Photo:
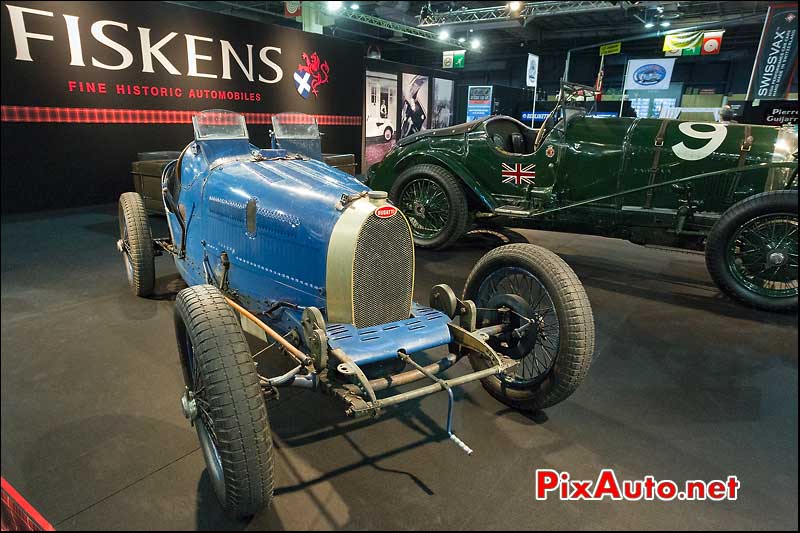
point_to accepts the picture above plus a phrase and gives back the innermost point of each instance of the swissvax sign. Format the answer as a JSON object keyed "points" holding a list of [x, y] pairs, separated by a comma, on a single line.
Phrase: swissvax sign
{"points": [[142, 68], [776, 60]]}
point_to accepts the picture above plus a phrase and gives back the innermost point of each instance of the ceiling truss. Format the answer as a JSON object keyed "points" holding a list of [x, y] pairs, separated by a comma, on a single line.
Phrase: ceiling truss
{"points": [[385, 24], [527, 11]]}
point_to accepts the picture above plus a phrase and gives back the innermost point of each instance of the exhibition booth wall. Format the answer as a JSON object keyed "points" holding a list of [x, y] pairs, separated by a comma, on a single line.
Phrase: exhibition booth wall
{"points": [[400, 100], [88, 86]]}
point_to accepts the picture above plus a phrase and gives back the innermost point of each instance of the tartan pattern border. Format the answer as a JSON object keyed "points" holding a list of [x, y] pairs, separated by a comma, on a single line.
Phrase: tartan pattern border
{"points": [[94, 115]]}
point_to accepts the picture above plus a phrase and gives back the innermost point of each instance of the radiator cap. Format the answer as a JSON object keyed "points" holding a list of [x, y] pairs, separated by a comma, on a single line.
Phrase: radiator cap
{"points": [[377, 197]]}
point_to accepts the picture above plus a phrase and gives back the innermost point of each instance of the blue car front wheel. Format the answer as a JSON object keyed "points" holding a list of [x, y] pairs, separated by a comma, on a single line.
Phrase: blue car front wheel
{"points": [[551, 333], [224, 400]]}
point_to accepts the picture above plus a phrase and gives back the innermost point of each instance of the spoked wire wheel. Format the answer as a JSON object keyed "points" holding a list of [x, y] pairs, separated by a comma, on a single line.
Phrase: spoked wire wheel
{"points": [[197, 397], [751, 251], [224, 400], [426, 206], [762, 255], [529, 306], [548, 324], [434, 202]]}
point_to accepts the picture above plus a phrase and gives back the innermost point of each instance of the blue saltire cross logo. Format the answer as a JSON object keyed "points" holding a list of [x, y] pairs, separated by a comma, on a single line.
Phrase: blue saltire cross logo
{"points": [[302, 82]]}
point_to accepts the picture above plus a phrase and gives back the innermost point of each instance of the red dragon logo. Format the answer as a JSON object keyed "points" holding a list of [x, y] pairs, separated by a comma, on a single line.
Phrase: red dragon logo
{"points": [[308, 77]]}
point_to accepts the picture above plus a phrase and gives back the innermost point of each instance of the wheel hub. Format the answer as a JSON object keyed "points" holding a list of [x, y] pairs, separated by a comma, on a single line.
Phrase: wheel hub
{"points": [[776, 258], [522, 321], [419, 209], [189, 405]]}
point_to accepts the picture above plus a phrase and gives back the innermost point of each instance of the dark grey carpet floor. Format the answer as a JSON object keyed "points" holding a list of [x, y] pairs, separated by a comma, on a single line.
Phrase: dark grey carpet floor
{"points": [[686, 385]]}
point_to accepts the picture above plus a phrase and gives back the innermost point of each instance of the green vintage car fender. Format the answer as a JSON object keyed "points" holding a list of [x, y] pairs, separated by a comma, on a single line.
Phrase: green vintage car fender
{"points": [[447, 151]]}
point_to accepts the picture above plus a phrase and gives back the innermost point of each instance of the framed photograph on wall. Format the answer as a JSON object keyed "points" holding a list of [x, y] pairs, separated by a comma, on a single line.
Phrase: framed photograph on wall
{"points": [[442, 109], [380, 112], [414, 109]]}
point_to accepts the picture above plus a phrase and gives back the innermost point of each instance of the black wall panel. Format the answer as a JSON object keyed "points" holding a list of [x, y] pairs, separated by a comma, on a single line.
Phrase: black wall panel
{"points": [[50, 163]]}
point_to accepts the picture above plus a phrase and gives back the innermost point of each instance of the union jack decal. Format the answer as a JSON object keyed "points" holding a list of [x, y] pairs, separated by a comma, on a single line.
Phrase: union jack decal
{"points": [[518, 174]]}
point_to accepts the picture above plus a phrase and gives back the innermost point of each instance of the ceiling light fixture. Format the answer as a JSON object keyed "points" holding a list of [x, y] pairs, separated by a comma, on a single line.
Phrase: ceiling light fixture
{"points": [[355, 7], [514, 6], [649, 25], [333, 7], [444, 35], [665, 24], [475, 44], [462, 39]]}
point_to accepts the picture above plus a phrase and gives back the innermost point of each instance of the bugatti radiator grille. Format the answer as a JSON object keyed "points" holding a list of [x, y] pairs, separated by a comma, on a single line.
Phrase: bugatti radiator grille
{"points": [[383, 271]]}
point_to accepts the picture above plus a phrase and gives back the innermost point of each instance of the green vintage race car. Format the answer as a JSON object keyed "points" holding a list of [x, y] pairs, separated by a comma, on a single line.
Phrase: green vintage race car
{"points": [[729, 189]]}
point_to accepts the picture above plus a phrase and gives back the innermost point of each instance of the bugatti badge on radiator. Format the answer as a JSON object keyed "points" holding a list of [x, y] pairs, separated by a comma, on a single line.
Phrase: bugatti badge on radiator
{"points": [[385, 211]]}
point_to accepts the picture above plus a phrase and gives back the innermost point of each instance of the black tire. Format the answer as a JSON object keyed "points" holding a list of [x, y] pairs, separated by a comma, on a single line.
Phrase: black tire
{"points": [[387, 134], [576, 335], [457, 208], [210, 336], [139, 256], [723, 235], [490, 236]]}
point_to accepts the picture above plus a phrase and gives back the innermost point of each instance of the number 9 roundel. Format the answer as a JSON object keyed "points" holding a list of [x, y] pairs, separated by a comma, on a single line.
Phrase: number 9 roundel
{"points": [[715, 139]]}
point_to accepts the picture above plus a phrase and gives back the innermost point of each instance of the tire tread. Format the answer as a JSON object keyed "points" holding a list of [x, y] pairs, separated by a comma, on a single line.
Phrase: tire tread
{"points": [[133, 215], [240, 416]]}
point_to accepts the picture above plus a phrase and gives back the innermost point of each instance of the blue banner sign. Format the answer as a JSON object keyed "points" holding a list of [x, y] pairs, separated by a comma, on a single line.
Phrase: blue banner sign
{"points": [[525, 116]]}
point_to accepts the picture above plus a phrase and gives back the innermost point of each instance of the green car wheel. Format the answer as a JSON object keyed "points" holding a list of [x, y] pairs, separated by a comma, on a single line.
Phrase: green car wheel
{"points": [[752, 251], [435, 204]]}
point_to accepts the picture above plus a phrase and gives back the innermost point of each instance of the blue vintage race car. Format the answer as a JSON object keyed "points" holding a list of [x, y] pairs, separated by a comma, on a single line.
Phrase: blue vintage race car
{"points": [[306, 257]]}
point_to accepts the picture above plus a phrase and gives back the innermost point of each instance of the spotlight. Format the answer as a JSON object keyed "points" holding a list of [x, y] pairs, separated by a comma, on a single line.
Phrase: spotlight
{"points": [[333, 7], [649, 25], [355, 7], [444, 35], [462, 39], [475, 44], [514, 6], [665, 24]]}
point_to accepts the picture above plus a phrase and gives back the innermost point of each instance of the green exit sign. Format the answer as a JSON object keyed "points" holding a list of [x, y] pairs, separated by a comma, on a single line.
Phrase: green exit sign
{"points": [[453, 58]]}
